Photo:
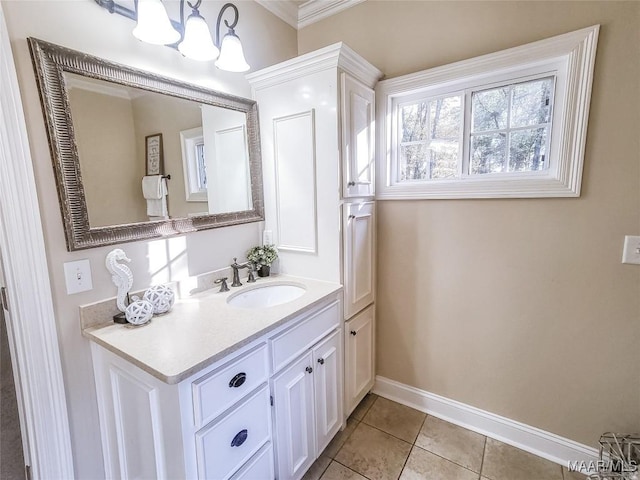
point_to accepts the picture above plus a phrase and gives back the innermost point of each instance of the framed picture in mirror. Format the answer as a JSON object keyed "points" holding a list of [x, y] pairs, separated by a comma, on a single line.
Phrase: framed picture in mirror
{"points": [[154, 154]]}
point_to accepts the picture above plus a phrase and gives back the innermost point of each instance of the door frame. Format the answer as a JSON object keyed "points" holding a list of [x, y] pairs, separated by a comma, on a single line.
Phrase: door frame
{"points": [[35, 352]]}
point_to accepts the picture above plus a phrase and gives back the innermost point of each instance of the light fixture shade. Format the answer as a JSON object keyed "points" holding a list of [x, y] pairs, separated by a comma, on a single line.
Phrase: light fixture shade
{"points": [[154, 25], [231, 56], [197, 43]]}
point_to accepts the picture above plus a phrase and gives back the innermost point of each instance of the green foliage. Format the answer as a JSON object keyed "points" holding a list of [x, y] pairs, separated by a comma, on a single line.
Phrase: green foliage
{"points": [[263, 254]]}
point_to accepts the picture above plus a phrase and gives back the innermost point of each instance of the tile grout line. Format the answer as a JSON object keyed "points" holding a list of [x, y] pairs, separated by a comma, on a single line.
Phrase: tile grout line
{"points": [[325, 468], [332, 458], [351, 469], [356, 423], [413, 445], [453, 461], [387, 433], [484, 450], [447, 460], [367, 410]]}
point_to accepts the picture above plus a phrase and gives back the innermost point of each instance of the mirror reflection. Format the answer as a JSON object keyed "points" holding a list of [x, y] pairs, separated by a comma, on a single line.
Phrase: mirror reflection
{"points": [[192, 159]]}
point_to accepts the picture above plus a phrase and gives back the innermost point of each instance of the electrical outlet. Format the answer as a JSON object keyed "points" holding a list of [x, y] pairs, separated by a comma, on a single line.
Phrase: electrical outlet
{"points": [[631, 251], [267, 237], [77, 276]]}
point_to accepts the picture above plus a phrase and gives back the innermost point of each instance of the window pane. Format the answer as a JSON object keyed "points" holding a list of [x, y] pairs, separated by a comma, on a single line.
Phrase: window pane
{"points": [[413, 122], [531, 103], [445, 118], [419, 162], [202, 167], [414, 162], [489, 109], [488, 153], [527, 150], [444, 158]]}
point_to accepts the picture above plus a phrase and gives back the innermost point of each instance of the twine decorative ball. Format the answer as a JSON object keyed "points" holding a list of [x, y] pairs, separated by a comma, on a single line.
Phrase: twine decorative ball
{"points": [[139, 312], [161, 297]]}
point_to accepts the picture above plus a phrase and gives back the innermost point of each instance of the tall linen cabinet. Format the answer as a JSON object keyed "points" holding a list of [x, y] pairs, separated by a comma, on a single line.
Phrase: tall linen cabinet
{"points": [[317, 131]]}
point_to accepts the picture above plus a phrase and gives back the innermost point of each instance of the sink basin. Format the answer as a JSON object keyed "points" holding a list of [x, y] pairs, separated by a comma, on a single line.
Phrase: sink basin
{"points": [[266, 296]]}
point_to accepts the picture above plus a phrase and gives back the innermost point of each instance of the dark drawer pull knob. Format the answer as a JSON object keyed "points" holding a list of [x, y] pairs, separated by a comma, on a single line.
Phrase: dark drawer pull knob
{"points": [[238, 380], [309, 369], [351, 184], [240, 438], [321, 361], [354, 333]]}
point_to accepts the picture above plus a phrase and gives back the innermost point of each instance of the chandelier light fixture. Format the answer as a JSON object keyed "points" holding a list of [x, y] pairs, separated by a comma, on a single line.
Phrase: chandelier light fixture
{"points": [[192, 37]]}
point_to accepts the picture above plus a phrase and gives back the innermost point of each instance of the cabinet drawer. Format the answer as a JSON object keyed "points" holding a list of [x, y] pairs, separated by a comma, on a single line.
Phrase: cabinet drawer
{"points": [[260, 466], [291, 343], [224, 446], [220, 389]]}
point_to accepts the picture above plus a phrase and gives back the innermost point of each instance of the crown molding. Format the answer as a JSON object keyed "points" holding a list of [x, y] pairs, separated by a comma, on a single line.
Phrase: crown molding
{"points": [[300, 15], [337, 55], [313, 11], [287, 10]]}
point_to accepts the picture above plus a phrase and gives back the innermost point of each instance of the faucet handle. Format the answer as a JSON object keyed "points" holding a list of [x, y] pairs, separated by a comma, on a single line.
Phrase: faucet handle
{"points": [[252, 268], [223, 284]]}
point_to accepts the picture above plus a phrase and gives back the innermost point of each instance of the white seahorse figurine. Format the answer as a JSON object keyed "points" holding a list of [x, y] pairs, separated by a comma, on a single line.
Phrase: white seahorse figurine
{"points": [[120, 274]]}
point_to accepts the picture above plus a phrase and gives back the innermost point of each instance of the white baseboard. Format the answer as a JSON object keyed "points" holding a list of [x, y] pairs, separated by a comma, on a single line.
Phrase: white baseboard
{"points": [[531, 439]]}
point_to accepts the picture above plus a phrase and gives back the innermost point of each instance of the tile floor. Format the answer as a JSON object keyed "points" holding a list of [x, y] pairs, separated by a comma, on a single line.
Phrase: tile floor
{"points": [[384, 440]]}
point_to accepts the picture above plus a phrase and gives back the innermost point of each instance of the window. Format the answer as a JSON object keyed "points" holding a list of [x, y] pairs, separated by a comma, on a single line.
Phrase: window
{"points": [[510, 127], [194, 165], [509, 124], [430, 134]]}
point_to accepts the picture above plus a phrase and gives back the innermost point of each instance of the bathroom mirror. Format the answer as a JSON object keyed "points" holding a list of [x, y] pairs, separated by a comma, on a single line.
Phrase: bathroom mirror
{"points": [[110, 126]]}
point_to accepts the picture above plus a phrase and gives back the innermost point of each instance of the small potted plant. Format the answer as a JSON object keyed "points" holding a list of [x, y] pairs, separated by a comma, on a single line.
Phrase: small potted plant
{"points": [[263, 256]]}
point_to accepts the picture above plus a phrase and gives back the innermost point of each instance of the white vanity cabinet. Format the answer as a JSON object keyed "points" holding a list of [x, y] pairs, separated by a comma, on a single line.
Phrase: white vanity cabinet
{"points": [[317, 134], [219, 422], [307, 393], [210, 425]]}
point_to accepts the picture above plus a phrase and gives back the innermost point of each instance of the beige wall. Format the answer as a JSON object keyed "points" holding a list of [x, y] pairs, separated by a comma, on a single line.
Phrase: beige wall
{"points": [[518, 307], [82, 25], [103, 126]]}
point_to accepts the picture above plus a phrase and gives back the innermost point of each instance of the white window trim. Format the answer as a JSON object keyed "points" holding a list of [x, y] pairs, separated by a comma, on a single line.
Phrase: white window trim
{"points": [[570, 57]]}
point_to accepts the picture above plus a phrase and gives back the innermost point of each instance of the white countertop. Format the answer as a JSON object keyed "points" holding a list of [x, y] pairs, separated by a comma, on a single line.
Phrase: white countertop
{"points": [[203, 328]]}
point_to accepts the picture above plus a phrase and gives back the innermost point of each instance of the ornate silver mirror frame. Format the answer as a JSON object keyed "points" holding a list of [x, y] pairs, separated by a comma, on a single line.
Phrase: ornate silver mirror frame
{"points": [[50, 62]]}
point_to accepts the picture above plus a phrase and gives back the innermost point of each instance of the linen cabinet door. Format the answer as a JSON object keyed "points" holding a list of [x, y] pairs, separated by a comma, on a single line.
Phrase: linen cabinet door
{"points": [[358, 103], [359, 362], [327, 378], [359, 256], [294, 419]]}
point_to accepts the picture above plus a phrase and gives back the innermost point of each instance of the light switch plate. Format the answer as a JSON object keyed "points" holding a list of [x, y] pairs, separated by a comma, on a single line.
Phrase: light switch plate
{"points": [[77, 276], [267, 237], [631, 251]]}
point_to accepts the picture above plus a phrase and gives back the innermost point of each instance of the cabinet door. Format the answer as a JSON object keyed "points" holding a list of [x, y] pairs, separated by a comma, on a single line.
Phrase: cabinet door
{"points": [[358, 135], [359, 363], [327, 380], [359, 256], [294, 419]]}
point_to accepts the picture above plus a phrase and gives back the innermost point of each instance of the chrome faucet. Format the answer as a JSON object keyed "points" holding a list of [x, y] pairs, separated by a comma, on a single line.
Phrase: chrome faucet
{"points": [[235, 266]]}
